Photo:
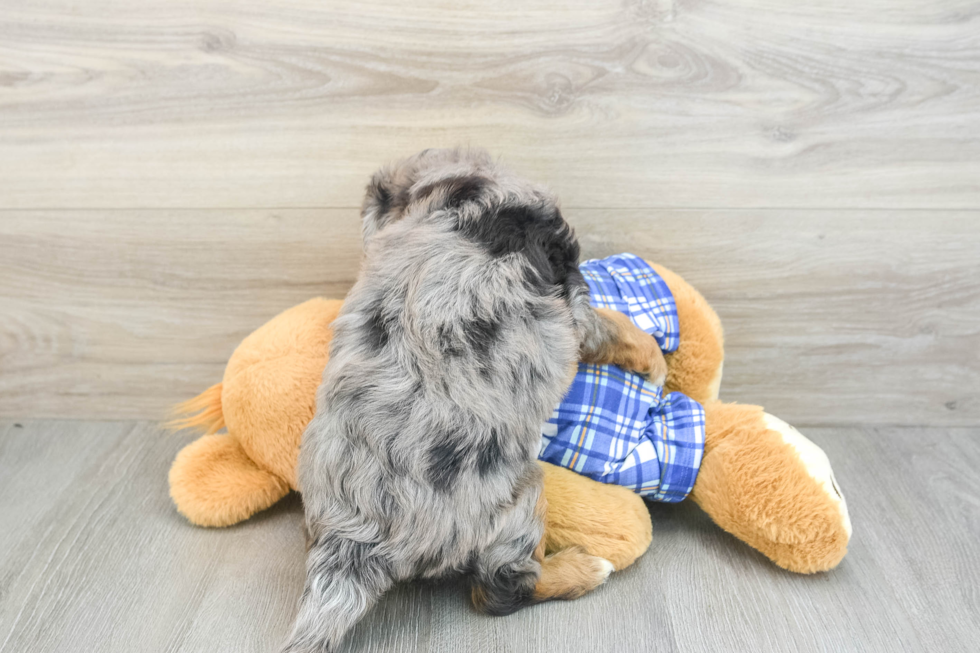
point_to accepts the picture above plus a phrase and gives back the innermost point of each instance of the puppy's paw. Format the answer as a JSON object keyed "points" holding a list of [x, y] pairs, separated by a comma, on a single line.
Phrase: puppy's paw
{"points": [[654, 364], [629, 347]]}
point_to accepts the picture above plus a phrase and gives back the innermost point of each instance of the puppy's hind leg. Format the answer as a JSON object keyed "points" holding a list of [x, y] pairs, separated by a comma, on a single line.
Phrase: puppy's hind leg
{"points": [[514, 572], [343, 580]]}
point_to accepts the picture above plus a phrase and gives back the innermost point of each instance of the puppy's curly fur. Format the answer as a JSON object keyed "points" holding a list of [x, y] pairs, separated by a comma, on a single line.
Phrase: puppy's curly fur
{"points": [[458, 339]]}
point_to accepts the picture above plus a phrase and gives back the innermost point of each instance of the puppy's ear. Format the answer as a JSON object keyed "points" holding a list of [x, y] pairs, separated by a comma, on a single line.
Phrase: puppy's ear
{"points": [[389, 193], [384, 200], [457, 173]]}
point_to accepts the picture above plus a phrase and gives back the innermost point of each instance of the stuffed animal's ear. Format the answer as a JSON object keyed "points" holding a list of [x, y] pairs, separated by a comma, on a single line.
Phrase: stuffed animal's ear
{"points": [[214, 483]]}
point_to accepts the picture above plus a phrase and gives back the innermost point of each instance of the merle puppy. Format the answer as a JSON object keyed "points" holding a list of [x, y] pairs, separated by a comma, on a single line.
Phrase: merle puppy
{"points": [[460, 336]]}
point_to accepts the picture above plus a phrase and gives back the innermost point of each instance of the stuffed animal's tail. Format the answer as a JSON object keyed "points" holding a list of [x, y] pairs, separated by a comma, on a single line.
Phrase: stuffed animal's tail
{"points": [[202, 413], [214, 481]]}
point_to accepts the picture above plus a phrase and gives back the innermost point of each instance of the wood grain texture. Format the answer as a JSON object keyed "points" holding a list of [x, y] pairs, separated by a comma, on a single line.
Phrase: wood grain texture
{"points": [[666, 103], [93, 557], [811, 167], [831, 318]]}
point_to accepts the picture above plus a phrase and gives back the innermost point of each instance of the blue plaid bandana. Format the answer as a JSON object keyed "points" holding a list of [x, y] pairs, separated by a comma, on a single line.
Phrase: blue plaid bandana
{"points": [[614, 426]]}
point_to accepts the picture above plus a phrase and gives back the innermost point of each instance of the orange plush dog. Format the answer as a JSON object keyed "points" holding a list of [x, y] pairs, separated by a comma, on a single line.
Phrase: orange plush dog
{"points": [[760, 479]]}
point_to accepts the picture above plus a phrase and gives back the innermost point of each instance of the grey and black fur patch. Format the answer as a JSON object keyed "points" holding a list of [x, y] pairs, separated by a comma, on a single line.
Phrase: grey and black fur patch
{"points": [[452, 349], [447, 457]]}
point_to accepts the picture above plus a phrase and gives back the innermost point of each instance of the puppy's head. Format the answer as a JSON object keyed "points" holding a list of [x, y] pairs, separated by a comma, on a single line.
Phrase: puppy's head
{"points": [[501, 213], [417, 179]]}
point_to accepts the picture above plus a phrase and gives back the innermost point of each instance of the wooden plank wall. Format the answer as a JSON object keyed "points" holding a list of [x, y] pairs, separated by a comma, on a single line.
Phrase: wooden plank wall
{"points": [[175, 172]]}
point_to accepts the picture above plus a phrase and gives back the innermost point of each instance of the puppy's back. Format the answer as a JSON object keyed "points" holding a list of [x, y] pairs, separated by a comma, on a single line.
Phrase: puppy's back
{"points": [[453, 347], [444, 364]]}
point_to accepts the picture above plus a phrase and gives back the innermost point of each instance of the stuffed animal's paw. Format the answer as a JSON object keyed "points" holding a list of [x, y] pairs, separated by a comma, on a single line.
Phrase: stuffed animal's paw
{"points": [[771, 487], [571, 573]]}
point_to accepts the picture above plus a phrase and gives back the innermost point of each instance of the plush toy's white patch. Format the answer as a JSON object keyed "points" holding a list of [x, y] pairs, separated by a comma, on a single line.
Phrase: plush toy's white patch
{"points": [[607, 567], [815, 461]]}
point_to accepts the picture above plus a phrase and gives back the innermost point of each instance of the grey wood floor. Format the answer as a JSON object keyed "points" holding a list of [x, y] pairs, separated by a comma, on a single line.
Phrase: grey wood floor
{"points": [[93, 557], [173, 173]]}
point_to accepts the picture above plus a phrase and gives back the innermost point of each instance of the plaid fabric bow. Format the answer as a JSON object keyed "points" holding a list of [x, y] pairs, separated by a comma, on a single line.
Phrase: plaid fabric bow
{"points": [[615, 427]]}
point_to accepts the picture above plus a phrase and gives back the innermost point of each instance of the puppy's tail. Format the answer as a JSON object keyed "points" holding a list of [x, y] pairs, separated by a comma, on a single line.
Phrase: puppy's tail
{"points": [[340, 588]]}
